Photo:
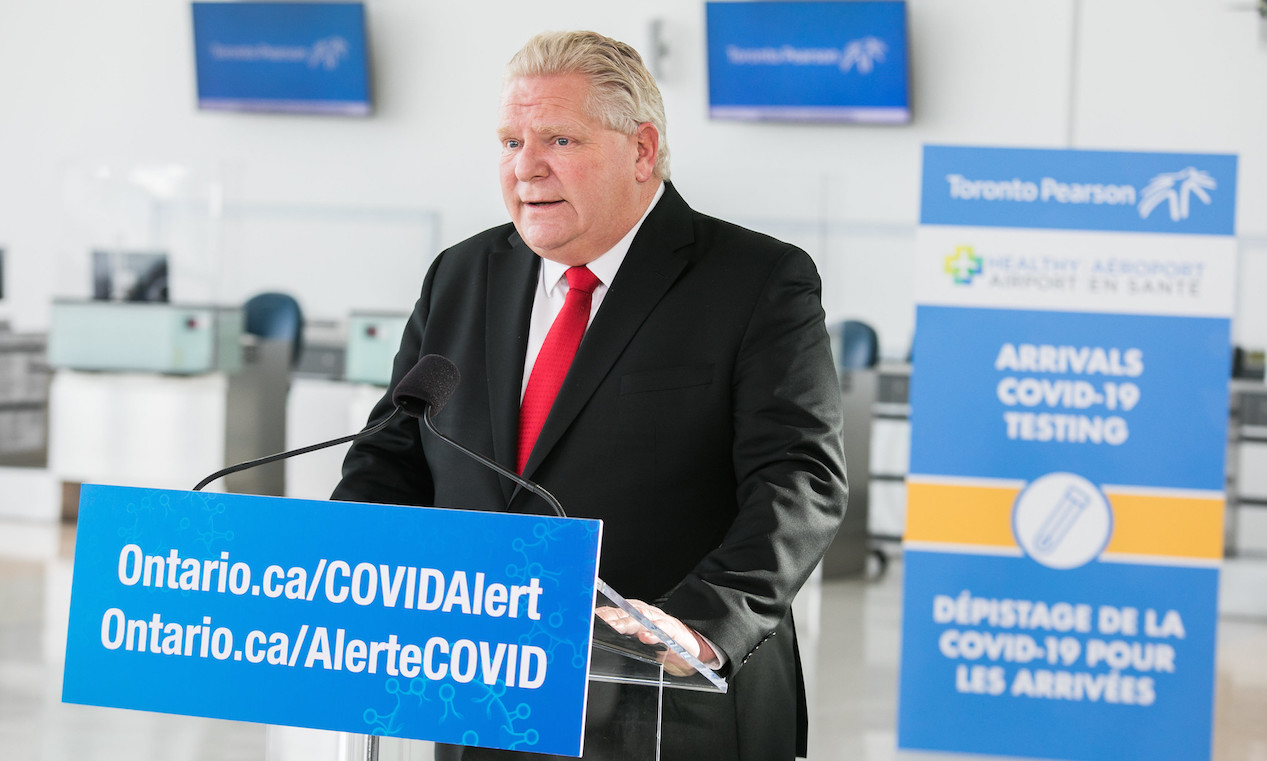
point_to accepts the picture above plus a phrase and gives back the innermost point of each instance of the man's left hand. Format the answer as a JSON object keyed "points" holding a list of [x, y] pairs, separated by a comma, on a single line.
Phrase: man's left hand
{"points": [[685, 636]]}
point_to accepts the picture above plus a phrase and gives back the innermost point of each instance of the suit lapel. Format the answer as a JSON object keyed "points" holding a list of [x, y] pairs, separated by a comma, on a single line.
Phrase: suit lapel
{"points": [[653, 263], [512, 278]]}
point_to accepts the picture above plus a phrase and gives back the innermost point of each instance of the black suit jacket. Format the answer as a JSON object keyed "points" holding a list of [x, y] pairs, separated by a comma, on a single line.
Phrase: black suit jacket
{"points": [[700, 421]]}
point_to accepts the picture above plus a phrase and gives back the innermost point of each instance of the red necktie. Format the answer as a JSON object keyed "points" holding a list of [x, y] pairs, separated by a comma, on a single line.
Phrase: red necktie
{"points": [[555, 358]]}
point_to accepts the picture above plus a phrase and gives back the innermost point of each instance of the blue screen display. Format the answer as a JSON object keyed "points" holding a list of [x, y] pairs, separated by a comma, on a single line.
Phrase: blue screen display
{"points": [[282, 57], [808, 61]]}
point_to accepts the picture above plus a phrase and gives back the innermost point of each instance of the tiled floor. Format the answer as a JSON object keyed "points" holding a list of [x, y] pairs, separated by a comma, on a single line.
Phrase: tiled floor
{"points": [[853, 677]]}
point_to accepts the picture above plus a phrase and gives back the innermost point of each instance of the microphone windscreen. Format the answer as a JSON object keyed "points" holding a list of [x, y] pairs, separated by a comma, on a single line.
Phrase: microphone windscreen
{"points": [[430, 382]]}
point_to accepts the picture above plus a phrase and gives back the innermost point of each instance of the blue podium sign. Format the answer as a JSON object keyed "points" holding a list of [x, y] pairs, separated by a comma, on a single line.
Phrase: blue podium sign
{"points": [[455, 626]]}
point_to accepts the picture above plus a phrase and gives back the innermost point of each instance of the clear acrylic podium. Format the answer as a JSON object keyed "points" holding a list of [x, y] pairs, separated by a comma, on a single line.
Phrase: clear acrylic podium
{"points": [[622, 659], [628, 680]]}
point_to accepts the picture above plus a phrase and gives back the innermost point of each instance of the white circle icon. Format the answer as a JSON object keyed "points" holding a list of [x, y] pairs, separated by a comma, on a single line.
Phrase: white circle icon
{"points": [[1062, 520]]}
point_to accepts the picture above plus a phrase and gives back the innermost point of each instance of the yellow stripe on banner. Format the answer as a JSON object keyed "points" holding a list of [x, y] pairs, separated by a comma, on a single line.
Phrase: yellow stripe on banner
{"points": [[1185, 527], [960, 514], [1149, 525]]}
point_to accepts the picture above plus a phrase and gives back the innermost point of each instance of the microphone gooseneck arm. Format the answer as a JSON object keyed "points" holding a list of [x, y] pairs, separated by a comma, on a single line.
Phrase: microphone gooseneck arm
{"points": [[283, 455], [525, 483]]}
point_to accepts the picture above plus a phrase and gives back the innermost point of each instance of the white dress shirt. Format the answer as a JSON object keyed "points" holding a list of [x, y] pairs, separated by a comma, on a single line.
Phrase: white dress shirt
{"points": [[552, 290]]}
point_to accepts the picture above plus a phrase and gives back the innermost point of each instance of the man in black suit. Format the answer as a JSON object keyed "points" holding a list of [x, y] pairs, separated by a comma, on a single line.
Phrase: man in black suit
{"points": [[699, 419]]}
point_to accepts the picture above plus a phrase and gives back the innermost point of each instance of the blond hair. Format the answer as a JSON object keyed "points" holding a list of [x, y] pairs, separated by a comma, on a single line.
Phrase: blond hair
{"points": [[623, 94]]}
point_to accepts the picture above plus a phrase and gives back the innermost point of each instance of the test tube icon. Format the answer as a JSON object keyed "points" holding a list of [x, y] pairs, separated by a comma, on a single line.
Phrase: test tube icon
{"points": [[1060, 520]]}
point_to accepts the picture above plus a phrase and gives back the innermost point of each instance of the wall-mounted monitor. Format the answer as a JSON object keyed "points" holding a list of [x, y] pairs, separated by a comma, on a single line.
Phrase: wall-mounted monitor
{"points": [[809, 61], [300, 57]]}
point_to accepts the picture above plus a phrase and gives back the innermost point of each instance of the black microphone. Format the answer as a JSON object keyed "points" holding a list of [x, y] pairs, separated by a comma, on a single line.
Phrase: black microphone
{"points": [[420, 385], [425, 389], [428, 384]]}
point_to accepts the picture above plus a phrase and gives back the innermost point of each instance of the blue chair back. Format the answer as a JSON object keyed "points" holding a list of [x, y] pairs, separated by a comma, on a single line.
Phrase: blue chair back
{"points": [[276, 316], [859, 346]]}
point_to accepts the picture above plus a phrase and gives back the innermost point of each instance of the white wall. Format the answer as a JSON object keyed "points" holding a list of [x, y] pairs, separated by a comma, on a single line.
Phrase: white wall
{"points": [[90, 81]]}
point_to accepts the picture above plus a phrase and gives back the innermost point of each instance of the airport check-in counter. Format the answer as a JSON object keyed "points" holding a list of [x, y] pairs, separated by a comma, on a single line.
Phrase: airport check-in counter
{"points": [[161, 395], [337, 384], [29, 492], [373, 339], [1246, 524], [23, 399], [877, 450], [889, 455]]}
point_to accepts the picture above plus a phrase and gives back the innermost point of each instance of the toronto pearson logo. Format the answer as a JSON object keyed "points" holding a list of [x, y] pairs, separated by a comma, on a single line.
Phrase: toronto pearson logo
{"points": [[963, 265], [1176, 189], [863, 55], [327, 53]]}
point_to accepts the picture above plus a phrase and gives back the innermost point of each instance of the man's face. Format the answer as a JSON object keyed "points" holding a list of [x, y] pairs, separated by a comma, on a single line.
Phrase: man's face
{"points": [[572, 186]]}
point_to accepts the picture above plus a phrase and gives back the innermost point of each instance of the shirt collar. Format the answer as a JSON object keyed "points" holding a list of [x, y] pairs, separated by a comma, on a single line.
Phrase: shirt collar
{"points": [[605, 266]]}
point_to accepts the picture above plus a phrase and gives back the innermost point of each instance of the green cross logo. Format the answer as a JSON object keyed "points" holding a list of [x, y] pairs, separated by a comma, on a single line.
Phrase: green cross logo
{"points": [[963, 265]]}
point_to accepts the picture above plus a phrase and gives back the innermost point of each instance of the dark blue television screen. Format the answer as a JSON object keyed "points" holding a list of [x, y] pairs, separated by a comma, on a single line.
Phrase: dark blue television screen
{"points": [[286, 57], [809, 61]]}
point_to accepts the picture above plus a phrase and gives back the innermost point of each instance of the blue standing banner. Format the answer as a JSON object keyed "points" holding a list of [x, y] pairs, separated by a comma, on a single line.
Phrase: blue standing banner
{"points": [[1069, 402], [455, 626]]}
